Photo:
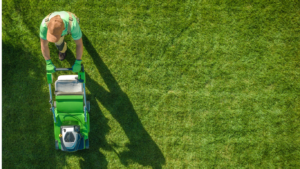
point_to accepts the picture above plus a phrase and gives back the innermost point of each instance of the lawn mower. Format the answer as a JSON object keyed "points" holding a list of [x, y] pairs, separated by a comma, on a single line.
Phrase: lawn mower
{"points": [[70, 111]]}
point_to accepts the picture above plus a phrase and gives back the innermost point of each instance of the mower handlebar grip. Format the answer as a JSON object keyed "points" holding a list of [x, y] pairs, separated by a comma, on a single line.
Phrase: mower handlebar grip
{"points": [[63, 69], [69, 69]]}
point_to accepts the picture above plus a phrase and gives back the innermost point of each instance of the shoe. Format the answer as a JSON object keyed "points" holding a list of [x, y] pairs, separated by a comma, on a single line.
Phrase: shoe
{"points": [[61, 56]]}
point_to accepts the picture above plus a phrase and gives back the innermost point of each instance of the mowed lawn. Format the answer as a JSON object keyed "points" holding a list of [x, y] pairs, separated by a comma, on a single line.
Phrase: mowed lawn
{"points": [[172, 84]]}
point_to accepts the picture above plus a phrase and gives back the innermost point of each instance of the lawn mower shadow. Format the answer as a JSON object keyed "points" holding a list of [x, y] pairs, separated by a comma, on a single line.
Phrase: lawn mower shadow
{"points": [[27, 121], [142, 149]]}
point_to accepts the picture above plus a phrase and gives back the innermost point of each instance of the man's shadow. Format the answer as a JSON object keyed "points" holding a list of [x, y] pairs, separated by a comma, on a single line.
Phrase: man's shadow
{"points": [[141, 149]]}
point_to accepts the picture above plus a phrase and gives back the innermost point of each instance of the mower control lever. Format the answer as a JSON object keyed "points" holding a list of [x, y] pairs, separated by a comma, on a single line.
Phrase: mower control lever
{"points": [[82, 68]]}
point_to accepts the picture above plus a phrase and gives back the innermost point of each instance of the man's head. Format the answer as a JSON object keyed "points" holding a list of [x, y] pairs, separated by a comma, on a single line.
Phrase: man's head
{"points": [[55, 29]]}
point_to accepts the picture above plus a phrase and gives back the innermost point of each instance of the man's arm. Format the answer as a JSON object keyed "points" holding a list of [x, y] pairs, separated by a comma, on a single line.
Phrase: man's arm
{"points": [[45, 49], [46, 53], [79, 48]]}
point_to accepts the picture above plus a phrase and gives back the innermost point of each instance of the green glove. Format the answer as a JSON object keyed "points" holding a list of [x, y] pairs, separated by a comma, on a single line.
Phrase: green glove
{"points": [[77, 66], [49, 66]]}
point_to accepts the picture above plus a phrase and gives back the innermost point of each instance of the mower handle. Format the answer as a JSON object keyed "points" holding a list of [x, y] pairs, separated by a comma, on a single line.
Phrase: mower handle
{"points": [[69, 69]]}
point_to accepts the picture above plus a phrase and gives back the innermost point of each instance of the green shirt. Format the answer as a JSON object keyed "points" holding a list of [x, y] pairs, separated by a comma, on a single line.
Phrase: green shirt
{"points": [[75, 29]]}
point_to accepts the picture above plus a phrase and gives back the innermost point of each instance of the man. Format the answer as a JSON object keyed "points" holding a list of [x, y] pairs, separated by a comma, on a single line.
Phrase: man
{"points": [[53, 29]]}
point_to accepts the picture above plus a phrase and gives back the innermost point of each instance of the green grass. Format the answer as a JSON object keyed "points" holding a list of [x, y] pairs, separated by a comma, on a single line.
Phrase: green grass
{"points": [[172, 84]]}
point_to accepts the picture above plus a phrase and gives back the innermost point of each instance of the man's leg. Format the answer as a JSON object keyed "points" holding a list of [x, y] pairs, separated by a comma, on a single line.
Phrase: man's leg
{"points": [[62, 48]]}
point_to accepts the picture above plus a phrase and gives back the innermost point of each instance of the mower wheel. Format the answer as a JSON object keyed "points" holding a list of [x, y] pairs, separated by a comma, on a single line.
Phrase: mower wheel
{"points": [[87, 144], [88, 106], [56, 144]]}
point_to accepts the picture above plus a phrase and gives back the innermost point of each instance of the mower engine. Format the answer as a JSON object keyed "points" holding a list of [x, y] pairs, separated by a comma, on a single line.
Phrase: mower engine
{"points": [[71, 139]]}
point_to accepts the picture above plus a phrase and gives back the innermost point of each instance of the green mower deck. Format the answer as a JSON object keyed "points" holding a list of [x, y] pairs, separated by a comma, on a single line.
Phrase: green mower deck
{"points": [[71, 117]]}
